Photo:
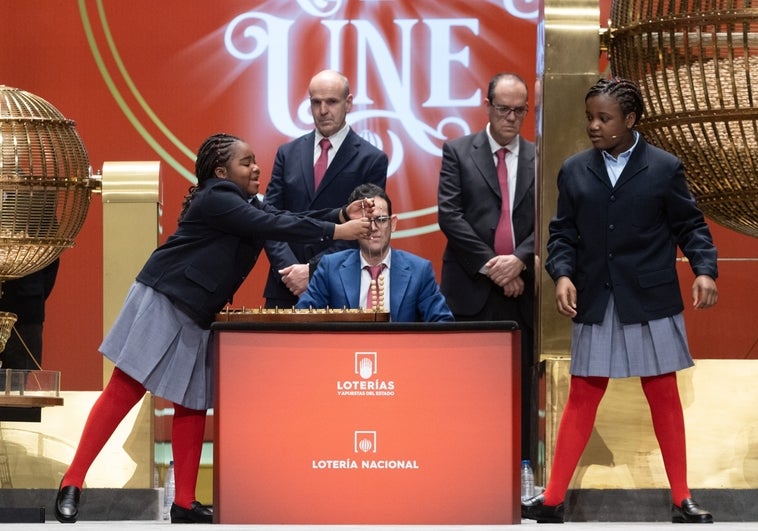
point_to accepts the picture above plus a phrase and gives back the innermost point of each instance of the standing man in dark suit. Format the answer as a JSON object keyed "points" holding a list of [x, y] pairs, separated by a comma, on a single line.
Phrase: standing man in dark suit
{"points": [[346, 161], [488, 263]]}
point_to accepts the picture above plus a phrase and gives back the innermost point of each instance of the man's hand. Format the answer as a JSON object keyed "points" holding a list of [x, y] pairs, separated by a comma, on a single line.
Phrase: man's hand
{"points": [[514, 288], [296, 277], [502, 269]]}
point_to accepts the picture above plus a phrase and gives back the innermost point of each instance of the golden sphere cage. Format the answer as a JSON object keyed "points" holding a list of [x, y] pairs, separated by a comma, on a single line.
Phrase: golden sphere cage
{"points": [[696, 62], [7, 320], [45, 187], [45, 183]]}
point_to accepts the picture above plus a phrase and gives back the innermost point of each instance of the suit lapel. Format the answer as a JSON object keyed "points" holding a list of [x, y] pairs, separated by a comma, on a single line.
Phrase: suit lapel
{"points": [[400, 278], [347, 151], [305, 154], [636, 164], [351, 283], [482, 158], [596, 166], [524, 172]]}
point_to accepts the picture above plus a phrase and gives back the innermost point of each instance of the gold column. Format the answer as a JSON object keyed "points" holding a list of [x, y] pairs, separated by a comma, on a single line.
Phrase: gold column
{"points": [[567, 65], [130, 231], [131, 227]]}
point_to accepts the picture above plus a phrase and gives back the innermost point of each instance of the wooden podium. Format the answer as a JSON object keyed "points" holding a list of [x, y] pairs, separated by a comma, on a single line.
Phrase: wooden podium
{"points": [[367, 423]]}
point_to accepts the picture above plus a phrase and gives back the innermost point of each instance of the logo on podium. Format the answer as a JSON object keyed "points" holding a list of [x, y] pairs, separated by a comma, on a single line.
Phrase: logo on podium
{"points": [[366, 383], [365, 364], [364, 442]]}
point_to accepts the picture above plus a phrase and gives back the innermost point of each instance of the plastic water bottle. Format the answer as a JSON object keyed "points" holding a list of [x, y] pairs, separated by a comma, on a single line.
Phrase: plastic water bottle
{"points": [[527, 480], [169, 491]]}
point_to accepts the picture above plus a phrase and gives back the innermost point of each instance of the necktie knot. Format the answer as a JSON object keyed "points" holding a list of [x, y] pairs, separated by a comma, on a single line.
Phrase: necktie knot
{"points": [[325, 144], [501, 153], [374, 270]]}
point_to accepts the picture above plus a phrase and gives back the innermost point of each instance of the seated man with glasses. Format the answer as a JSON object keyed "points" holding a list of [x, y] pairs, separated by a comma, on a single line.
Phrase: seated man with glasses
{"points": [[377, 276]]}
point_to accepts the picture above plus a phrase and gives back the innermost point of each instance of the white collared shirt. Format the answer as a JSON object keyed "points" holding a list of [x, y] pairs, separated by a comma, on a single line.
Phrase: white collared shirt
{"points": [[336, 139], [614, 166]]}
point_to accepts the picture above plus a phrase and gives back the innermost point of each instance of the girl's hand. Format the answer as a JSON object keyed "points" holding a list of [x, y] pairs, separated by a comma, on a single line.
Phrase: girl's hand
{"points": [[361, 208], [353, 229], [704, 292], [565, 297]]}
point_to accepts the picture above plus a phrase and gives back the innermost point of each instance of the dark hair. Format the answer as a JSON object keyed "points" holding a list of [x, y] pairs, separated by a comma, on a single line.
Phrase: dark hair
{"points": [[367, 190], [627, 93], [215, 151], [504, 75]]}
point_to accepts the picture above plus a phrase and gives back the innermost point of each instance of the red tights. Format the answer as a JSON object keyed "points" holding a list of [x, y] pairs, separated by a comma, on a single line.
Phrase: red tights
{"points": [[578, 419], [116, 400]]}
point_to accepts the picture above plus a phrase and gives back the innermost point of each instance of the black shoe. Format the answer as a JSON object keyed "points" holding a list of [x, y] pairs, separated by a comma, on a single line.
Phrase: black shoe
{"points": [[535, 509], [196, 514], [690, 513], [67, 504]]}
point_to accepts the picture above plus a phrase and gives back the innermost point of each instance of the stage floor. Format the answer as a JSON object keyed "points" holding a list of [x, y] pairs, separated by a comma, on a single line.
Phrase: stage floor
{"points": [[142, 525]]}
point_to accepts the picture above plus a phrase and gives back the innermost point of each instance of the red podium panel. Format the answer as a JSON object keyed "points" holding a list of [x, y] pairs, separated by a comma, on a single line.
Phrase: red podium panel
{"points": [[367, 424]]}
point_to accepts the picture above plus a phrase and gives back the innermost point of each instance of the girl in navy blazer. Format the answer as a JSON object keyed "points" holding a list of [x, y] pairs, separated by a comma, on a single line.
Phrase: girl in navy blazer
{"points": [[623, 208], [159, 341]]}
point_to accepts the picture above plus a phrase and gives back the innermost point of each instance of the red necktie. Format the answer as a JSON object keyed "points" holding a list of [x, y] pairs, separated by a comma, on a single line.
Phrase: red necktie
{"points": [[319, 169], [503, 233], [375, 295]]}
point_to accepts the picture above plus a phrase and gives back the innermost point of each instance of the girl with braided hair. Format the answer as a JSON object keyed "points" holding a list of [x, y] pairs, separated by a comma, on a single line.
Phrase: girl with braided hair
{"points": [[159, 341], [623, 208]]}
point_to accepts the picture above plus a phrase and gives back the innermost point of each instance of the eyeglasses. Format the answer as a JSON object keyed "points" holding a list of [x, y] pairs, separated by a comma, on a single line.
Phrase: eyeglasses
{"points": [[379, 221], [504, 110]]}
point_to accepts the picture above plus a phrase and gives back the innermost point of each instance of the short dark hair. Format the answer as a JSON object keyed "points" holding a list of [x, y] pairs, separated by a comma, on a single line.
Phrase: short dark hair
{"points": [[626, 92], [366, 190], [215, 151]]}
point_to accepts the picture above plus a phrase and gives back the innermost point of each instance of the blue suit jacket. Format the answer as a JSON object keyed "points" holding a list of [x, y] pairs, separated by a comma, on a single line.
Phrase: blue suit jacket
{"points": [[291, 188], [414, 293]]}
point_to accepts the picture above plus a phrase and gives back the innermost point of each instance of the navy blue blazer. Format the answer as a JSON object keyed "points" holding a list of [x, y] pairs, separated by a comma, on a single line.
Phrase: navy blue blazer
{"points": [[623, 239], [469, 204], [291, 188], [414, 294], [216, 245]]}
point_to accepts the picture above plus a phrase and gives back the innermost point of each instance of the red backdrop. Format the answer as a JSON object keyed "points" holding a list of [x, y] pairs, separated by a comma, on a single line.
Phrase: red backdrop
{"points": [[149, 80]]}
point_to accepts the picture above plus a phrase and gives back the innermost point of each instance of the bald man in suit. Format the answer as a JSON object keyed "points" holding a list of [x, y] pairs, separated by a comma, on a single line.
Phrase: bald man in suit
{"points": [[350, 161]]}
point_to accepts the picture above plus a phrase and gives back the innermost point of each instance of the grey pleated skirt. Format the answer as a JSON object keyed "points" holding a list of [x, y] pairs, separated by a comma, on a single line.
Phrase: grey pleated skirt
{"points": [[618, 350], [162, 348]]}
